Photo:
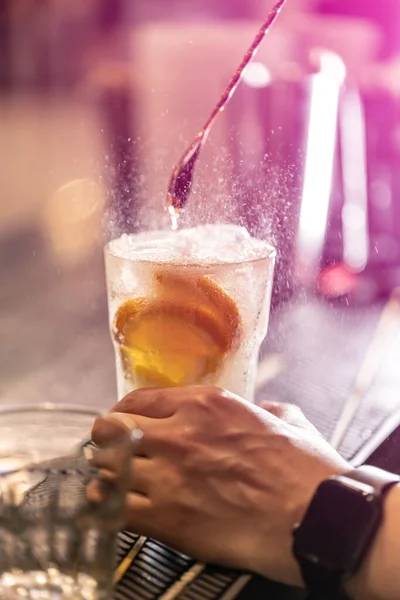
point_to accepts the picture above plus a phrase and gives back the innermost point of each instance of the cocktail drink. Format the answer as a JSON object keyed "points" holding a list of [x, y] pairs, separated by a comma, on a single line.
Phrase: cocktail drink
{"points": [[189, 307]]}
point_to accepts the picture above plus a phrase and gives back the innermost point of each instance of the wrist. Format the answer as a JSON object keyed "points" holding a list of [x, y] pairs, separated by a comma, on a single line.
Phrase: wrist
{"points": [[284, 568]]}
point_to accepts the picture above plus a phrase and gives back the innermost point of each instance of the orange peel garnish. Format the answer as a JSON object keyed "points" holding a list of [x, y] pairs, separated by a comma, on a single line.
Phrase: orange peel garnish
{"points": [[180, 336], [203, 292]]}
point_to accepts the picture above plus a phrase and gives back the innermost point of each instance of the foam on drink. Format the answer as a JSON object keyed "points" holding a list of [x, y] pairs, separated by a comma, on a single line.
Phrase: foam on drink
{"points": [[209, 244]]}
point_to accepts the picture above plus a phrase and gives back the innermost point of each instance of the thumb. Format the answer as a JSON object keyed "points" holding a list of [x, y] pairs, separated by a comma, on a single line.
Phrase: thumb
{"points": [[109, 428]]}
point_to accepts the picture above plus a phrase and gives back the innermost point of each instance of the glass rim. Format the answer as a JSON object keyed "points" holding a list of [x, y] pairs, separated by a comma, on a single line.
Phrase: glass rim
{"points": [[49, 408], [270, 254]]}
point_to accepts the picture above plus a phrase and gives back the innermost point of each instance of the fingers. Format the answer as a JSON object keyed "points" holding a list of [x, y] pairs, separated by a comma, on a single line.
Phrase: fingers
{"points": [[156, 403], [139, 512], [141, 516], [134, 473], [105, 431], [108, 430], [142, 470], [162, 403], [113, 472]]}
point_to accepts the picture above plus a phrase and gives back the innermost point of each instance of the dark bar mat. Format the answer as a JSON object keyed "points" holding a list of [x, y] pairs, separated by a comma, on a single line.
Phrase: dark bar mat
{"points": [[321, 348], [157, 570]]}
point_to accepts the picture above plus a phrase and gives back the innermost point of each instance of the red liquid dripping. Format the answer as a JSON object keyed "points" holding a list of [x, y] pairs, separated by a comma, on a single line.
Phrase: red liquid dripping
{"points": [[182, 175]]}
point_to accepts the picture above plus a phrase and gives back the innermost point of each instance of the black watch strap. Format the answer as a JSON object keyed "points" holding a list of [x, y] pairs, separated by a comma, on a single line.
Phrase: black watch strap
{"points": [[323, 586], [326, 586], [380, 480]]}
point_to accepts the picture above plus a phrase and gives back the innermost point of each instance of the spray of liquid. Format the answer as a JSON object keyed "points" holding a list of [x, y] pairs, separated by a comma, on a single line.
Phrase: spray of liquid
{"points": [[182, 174]]}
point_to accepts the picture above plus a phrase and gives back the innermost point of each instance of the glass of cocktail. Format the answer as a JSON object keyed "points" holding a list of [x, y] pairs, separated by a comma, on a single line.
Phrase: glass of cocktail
{"points": [[189, 307]]}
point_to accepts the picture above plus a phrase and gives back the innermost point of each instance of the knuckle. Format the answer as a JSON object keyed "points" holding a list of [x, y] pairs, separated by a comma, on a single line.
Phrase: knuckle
{"points": [[274, 408], [212, 398], [197, 399], [200, 395], [294, 408], [295, 413], [286, 411], [188, 432]]}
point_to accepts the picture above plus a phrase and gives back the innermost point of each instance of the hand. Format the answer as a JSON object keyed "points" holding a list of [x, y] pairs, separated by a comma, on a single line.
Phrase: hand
{"points": [[221, 479]]}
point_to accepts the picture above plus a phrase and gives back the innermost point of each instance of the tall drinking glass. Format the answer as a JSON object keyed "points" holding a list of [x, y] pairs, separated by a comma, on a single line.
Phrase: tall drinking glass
{"points": [[189, 307], [59, 514]]}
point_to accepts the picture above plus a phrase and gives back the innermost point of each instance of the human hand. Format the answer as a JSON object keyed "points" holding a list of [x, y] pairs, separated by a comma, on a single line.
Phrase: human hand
{"points": [[219, 478]]}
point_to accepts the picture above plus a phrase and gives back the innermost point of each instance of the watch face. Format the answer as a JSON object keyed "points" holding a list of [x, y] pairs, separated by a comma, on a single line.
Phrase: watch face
{"points": [[338, 524]]}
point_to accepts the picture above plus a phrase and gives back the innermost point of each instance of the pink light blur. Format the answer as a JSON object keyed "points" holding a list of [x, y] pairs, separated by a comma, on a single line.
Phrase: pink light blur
{"points": [[321, 142], [354, 169]]}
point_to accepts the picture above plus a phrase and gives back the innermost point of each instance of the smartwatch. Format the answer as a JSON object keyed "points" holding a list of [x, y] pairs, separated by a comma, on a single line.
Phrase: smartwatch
{"points": [[337, 530]]}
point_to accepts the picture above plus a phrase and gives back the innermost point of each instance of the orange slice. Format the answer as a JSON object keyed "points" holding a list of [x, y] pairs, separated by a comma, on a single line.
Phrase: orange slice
{"points": [[166, 344], [179, 337], [204, 293]]}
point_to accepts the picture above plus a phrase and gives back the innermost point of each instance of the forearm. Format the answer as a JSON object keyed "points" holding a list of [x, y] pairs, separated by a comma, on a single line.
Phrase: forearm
{"points": [[379, 575]]}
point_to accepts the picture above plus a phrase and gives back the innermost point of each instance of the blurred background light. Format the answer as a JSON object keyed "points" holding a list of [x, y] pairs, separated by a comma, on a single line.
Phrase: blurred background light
{"points": [[257, 75]]}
